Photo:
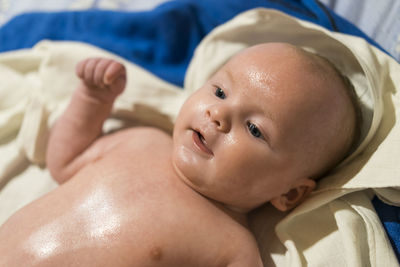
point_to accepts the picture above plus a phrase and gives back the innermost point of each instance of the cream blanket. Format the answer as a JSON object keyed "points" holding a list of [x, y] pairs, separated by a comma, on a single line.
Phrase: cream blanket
{"points": [[336, 226]]}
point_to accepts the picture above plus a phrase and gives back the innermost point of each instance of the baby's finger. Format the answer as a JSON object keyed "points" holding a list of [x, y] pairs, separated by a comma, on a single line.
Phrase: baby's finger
{"points": [[119, 84], [80, 67], [89, 70], [100, 70], [113, 71]]}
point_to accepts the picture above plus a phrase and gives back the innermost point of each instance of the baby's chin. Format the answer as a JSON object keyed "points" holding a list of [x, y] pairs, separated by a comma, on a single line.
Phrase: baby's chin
{"points": [[185, 171]]}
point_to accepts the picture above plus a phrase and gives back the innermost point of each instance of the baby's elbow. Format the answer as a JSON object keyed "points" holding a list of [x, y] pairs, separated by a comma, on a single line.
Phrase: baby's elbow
{"points": [[58, 172], [59, 176]]}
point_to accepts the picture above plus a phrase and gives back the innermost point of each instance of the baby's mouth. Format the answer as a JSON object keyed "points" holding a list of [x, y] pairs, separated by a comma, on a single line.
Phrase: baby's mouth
{"points": [[200, 142]]}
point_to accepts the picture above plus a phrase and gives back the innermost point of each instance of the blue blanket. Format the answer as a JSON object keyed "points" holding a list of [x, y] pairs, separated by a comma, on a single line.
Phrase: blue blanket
{"points": [[390, 218], [163, 40]]}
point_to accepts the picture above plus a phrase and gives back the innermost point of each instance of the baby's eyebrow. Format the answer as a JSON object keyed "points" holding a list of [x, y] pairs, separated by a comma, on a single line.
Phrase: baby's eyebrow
{"points": [[269, 116], [230, 76]]}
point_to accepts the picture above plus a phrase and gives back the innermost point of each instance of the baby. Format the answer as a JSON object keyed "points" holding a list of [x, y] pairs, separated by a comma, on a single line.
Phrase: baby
{"points": [[262, 129]]}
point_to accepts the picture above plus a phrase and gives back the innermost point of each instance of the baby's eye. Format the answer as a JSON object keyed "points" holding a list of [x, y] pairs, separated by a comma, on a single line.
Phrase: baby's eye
{"points": [[254, 130], [220, 93]]}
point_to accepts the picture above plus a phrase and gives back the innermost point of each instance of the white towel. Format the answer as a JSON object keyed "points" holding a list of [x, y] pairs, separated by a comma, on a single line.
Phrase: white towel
{"points": [[37, 84], [337, 225]]}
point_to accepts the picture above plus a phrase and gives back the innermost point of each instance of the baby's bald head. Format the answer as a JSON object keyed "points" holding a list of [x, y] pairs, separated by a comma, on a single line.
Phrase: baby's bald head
{"points": [[326, 109], [272, 119], [348, 118]]}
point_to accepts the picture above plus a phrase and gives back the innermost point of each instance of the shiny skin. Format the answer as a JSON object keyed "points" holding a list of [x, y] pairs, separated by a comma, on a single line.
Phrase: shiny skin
{"points": [[120, 202], [125, 209], [300, 109], [140, 197]]}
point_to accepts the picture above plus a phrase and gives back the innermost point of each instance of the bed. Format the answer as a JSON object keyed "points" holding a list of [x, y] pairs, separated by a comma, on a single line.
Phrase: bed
{"points": [[25, 123]]}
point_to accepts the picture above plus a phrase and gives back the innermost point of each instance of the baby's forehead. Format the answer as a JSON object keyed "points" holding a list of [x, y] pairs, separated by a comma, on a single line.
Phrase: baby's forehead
{"points": [[267, 63], [282, 53], [269, 50], [287, 64], [285, 75]]}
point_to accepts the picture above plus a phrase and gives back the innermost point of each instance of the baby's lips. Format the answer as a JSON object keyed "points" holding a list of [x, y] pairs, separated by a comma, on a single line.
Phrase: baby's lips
{"points": [[201, 142]]}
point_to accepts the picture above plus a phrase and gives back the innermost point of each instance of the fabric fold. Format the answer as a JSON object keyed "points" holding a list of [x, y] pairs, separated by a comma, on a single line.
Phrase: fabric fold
{"points": [[318, 231]]}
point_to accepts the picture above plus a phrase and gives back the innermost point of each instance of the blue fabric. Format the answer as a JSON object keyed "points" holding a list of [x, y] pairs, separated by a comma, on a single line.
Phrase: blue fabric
{"points": [[390, 218], [161, 40]]}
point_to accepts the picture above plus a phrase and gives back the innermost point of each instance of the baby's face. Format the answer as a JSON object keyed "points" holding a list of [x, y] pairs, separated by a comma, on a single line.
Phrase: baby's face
{"points": [[248, 134]]}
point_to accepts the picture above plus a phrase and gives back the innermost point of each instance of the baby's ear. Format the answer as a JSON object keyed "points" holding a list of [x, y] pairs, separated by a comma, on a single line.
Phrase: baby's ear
{"points": [[295, 195]]}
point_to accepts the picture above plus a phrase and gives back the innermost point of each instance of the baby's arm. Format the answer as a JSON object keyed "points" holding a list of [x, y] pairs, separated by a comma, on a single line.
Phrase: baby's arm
{"points": [[79, 126]]}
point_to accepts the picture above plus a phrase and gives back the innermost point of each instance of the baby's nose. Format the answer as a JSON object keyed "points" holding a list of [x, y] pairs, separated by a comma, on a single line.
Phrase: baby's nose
{"points": [[219, 116]]}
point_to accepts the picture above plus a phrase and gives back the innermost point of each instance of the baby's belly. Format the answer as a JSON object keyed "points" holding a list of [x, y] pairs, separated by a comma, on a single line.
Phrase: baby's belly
{"points": [[99, 218]]}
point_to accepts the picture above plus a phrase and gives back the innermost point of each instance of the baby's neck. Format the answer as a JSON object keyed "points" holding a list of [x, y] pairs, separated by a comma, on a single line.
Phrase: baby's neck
{"points": [[239, 216]]}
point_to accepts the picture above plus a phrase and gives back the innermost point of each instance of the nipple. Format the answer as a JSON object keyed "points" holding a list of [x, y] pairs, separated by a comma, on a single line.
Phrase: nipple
{"points": [[156, 253]]}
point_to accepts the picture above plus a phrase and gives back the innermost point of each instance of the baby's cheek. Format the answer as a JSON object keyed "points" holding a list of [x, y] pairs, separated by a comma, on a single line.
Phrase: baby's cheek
{"points": [[236, 161], [251, 161]]}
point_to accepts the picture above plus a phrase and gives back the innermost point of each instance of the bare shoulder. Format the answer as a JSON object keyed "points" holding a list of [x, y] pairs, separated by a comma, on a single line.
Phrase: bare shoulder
{"points": [[247, 252], [238, 245], [143, 130], [139, 138], [136, 135], [148, 132]]}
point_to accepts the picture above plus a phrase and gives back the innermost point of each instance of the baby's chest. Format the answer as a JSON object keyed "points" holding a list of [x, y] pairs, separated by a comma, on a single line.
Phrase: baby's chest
{"points": [[158, 219], [157, 225], [167, 236]]}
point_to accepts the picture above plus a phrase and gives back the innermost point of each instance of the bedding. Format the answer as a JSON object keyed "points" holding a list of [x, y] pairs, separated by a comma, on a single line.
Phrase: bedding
{"points": [[341, 206], [150, 39], [12, 8], [38, 82]]}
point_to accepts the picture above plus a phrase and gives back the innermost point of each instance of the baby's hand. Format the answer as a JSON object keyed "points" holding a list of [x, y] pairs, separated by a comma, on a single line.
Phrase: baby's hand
{"points": [[102, 78]]}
